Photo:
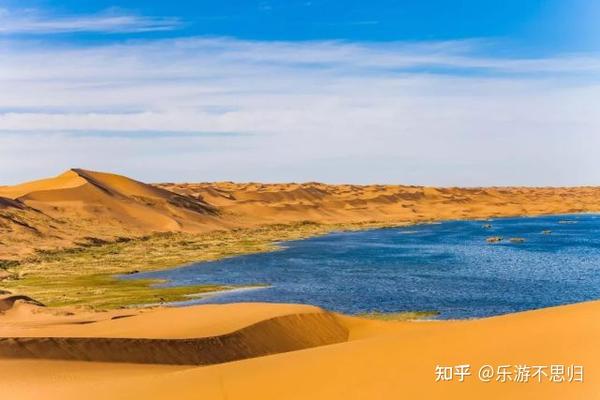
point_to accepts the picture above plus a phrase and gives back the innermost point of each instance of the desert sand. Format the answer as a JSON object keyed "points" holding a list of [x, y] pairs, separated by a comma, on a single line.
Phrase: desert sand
{"points": [[64, 237], [80, 207], [334, 357]]}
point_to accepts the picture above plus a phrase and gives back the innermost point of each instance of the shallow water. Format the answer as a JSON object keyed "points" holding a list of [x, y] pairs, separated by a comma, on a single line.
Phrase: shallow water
{"points": [[446, 267]]}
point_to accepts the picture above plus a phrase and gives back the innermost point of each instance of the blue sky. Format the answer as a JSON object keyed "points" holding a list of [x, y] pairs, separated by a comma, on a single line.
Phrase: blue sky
{"points": [[418, 92], [541, 26]]}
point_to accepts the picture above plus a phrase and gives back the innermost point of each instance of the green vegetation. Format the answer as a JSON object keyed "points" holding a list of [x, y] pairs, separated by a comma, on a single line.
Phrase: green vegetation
{"points": [[101, 291], [400, 316], [86, 275]]}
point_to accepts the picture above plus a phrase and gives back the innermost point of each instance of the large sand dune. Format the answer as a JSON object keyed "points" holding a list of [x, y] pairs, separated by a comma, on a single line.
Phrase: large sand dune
{"points": [[81, 207], [168, 337], [380, 360]]}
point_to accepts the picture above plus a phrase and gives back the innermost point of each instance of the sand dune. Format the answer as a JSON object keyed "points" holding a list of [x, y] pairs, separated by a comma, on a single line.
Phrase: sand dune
{"points": [[283, 203], [80, 207], [83, 206], [379, 360], [166, 337]]}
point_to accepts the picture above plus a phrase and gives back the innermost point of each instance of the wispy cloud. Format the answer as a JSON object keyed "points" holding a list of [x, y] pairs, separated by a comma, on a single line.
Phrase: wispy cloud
{"points": [[111, 21], [130, 134], [430, 113]]}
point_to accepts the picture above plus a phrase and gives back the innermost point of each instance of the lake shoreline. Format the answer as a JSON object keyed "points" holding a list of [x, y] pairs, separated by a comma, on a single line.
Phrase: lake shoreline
{"points": [[212, 272], [101, 288]]}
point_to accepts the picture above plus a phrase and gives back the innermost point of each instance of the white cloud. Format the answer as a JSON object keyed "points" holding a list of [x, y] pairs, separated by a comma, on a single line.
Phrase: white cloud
{"points": [[112, 21], [331, 111]]}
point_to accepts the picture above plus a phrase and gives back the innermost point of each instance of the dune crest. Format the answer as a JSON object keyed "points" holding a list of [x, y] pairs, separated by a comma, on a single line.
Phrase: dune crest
{"points": [[80, 207], [139, 338]]}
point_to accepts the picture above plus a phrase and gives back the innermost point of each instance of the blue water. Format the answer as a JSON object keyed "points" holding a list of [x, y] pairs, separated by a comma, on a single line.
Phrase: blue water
{"points": [[446, 267]]}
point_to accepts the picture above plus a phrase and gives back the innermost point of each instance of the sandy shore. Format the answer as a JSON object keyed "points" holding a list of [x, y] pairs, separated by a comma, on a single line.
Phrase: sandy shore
{"points": [[331, 357]]}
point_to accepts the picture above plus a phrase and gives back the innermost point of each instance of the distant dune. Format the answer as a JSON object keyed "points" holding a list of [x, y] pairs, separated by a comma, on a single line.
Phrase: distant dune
{"points": [[339, 357], [82, 207], [276, 203]]}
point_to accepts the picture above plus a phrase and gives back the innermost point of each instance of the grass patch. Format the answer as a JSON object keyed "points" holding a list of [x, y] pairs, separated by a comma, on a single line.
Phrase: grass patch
{"points": [[400, 316], [85, 275], [103, 291]]}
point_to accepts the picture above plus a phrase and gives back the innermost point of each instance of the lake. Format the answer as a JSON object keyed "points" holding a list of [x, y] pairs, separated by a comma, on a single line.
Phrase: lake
{"points": [[447, 267]]}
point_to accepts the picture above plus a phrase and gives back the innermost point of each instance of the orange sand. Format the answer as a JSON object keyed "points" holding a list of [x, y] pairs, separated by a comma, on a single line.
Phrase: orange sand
{"points": [[381, 360], [82, 206], [273, 351]]}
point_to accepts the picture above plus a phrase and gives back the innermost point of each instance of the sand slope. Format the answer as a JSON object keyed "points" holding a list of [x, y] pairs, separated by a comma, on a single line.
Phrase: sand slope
{"points": [[82, 207], [381, 360], [170, 337]]}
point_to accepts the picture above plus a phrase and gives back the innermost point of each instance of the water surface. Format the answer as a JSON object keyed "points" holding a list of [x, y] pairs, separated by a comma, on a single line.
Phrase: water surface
{"points": [[447, 267]]}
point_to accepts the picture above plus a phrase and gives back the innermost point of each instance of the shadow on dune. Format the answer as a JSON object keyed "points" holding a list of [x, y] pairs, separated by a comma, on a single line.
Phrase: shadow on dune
{"points": [[276, 335]]}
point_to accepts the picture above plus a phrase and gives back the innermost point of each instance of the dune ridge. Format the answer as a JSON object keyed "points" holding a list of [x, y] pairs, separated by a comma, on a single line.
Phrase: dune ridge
{"points": [[285, 333], [393, 203], [81, 207], [170, 336]]}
